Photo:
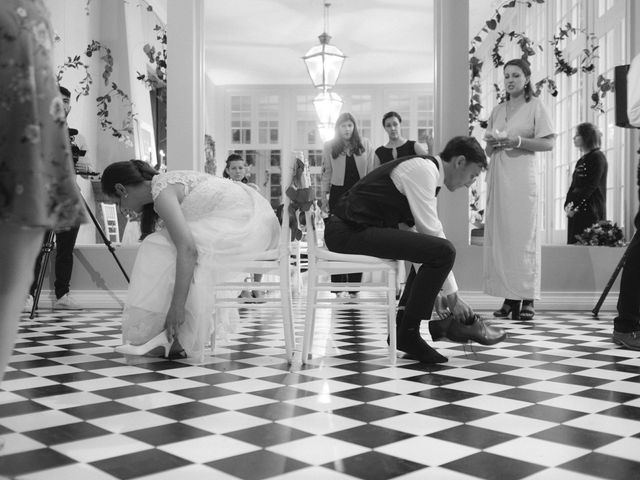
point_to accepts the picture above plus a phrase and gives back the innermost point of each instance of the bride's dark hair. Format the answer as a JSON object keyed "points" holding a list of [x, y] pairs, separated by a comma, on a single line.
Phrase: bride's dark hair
{"points": [[131, 172]]}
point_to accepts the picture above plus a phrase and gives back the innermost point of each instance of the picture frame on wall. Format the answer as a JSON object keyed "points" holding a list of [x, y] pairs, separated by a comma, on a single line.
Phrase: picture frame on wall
{"points": [[145, 145]]}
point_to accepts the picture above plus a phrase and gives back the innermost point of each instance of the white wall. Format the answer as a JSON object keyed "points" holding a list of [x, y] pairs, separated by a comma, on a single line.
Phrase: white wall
{"points": [[123, 27]]}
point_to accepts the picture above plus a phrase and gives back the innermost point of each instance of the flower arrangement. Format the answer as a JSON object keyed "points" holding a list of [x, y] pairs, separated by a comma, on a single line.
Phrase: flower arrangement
{"points": [[476, 214], [603, 233]]}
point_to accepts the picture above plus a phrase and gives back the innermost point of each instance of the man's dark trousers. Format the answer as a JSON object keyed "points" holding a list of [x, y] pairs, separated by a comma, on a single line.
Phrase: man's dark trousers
{"points": [[435, 255], [628, 319], [65, 243]]}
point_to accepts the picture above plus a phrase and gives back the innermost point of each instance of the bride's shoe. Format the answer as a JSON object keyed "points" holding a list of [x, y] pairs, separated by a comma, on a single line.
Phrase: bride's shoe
{"points": [[159, 340]]}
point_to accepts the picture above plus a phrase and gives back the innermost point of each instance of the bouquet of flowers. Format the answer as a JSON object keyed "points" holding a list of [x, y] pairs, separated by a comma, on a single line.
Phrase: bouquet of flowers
{"points": [[603, 233]]}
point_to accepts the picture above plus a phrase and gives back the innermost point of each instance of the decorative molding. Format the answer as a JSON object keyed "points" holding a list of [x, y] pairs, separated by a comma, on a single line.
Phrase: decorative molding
{"points": [[565, 301], [87, 298]]}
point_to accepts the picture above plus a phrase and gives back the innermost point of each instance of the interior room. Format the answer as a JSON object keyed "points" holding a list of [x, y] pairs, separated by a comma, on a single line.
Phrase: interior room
{"points": [[295, 390]]}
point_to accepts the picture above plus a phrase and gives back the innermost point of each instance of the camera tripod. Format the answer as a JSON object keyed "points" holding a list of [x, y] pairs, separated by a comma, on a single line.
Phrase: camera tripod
{"points": [[612, 279], [47, 246]]}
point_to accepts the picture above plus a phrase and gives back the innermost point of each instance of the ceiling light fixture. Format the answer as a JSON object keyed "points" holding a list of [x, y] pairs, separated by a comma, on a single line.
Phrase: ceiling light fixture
{"points": [[324, 63]]}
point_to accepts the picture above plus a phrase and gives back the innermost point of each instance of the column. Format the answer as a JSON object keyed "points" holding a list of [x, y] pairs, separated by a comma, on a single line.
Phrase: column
{"points": [[451, 20], [185, 85]]}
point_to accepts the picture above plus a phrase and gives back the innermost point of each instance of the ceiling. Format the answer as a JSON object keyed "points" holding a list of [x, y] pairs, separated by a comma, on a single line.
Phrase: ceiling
{"points": [[260, 42]]}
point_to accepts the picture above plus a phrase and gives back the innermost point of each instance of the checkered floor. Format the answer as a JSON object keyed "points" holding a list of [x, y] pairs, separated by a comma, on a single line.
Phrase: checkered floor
{"points": [[556, 400]]}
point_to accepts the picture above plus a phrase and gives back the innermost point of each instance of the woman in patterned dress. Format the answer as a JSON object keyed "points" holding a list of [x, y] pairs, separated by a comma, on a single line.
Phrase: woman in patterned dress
{"points": [[38, 189]]}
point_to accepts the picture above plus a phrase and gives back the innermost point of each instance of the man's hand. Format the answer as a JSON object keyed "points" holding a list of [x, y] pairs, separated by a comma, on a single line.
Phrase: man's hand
{"points": [[441, 307], [460, 310]]}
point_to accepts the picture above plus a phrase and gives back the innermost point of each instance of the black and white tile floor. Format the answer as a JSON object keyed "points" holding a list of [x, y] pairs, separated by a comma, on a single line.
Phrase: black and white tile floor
{"points": [[556, 400]]}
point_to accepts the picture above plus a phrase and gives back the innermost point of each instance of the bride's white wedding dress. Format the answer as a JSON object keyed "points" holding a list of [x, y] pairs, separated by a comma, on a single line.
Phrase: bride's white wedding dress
{"points": [[226, 218]]}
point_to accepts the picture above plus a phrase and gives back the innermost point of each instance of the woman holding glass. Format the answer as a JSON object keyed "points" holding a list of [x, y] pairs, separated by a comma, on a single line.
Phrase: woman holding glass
{"points": [[517, 129]]}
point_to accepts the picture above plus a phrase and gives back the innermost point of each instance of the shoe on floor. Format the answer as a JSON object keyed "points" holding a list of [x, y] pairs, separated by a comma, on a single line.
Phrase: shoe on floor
{"points": [[412, 343], [627, 339], [66, 303], [477, 331], [28, 304]]}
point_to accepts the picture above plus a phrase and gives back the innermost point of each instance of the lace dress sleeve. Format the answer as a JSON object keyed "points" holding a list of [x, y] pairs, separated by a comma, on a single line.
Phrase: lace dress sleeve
{"points": [[162, 180]]}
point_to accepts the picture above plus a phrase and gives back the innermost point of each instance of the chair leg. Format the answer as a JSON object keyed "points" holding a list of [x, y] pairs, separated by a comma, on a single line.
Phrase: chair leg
{"points": [[309, 322], [391, 316], [287, 312], [212, 337]]}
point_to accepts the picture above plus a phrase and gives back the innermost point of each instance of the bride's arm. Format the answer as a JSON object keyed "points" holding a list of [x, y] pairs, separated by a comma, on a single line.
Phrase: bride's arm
{"points": [[167, 204]]}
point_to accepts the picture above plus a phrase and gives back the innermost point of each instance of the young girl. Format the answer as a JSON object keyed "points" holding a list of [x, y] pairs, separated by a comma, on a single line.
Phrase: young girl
{"points": [[237, 171], [200, 218]]}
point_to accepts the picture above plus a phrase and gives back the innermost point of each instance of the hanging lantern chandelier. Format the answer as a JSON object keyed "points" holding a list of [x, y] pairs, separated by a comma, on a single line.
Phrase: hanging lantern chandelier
{"points": [[324, 63]]}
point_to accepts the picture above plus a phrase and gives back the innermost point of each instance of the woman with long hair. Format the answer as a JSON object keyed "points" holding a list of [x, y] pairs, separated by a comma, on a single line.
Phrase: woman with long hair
{"points": [[345, 160], [517, 129], [189, 219], [586, 201]]}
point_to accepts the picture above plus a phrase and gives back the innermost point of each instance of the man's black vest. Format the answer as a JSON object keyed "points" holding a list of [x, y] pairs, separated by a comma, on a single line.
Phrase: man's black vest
{"points": [[374, 201]]}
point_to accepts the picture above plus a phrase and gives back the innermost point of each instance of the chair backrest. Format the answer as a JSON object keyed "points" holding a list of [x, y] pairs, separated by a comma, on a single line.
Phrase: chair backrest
{"points": [[110, 218]]}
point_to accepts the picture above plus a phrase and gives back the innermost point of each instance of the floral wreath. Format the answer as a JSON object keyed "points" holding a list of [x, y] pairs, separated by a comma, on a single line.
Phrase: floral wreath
{"points": [[124, 133], [525, 43], [587, 63]]}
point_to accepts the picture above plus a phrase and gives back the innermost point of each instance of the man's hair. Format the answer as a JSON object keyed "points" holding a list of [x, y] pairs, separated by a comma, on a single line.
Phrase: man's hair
{"points": [[65, 92], [467, 146]]}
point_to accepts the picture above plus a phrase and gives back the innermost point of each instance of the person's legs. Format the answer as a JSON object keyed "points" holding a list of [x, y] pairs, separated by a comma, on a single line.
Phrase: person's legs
{"points": [[18, 251], [354, 278], [65, 242], [435, 257], [626, 326], [338, 278]]}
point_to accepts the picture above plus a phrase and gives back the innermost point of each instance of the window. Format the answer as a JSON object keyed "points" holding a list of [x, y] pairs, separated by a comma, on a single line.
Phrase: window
{"points": [[572, 105], [240, 119]]}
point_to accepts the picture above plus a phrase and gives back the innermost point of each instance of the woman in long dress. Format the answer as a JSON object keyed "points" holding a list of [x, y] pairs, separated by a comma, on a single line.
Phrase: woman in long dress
{"points": [[189, 219], [517, 129]]}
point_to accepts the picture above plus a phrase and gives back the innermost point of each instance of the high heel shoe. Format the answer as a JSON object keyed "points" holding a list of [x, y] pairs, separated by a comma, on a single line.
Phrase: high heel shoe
{"points": [[527, 312], [509, 307], [159, 340]]}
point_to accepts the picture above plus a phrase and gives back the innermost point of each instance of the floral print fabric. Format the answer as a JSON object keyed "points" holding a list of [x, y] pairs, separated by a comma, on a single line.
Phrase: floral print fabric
{"points": [[37, 178]]}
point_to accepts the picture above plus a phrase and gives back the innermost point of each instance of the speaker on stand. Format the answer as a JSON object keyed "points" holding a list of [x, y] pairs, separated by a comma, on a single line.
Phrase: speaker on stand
{"points": [[620, 86]]}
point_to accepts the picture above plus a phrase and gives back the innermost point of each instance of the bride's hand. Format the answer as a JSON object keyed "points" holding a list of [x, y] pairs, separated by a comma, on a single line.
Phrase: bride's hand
{"points": [[175, 318]]}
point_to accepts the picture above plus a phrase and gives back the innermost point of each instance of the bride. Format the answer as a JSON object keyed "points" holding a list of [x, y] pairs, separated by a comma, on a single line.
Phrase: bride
{"points": [[188, 219]]}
